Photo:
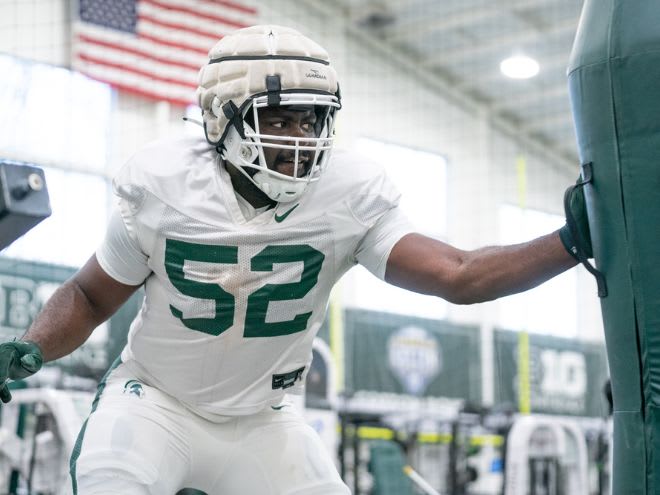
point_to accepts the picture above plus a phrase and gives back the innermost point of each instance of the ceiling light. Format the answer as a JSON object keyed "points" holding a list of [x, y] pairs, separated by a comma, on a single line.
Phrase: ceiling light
{"points": [[519, 67]]}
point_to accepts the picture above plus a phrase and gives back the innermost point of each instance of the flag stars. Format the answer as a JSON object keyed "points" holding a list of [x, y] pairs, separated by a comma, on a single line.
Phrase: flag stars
{"points": [[116, 14]]}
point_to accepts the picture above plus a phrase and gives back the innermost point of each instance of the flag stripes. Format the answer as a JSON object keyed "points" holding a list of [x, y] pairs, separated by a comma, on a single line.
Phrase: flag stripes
{"points": [[153, 48]]}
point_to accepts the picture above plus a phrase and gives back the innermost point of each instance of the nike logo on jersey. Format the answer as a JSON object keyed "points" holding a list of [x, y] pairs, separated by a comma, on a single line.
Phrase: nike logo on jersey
{"points": [[281, 218]]}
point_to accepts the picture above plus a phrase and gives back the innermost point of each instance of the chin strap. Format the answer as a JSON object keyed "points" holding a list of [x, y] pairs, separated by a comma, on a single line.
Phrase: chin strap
{"points": [[579, 251]]}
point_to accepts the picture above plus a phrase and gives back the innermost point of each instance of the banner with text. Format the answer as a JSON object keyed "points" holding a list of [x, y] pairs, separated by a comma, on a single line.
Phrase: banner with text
{"points": [[24, 289], [562, 376]]}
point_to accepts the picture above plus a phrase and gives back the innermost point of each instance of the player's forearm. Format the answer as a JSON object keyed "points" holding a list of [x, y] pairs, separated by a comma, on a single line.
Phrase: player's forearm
{"points": [[492, 272], [64, 323]]}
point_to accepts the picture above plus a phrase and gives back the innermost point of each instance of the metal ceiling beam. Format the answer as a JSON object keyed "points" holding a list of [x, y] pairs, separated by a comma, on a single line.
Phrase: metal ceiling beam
{"points": [[526, 98], [397, 6], [557, 155], [461, 18], [560, 119], [507, 41]]}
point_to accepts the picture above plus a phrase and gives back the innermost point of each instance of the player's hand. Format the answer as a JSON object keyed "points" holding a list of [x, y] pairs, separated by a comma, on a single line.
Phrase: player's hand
{"points": [[579, 237], [18, 360]]}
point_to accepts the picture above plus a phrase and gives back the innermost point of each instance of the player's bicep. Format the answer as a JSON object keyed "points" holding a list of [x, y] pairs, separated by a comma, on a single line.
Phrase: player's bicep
{"points": [[424, 265], [115, 271], [104, 294]]}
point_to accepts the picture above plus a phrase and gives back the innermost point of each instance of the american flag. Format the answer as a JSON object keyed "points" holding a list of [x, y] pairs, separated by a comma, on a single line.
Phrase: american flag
{"points": [[153, 48]]}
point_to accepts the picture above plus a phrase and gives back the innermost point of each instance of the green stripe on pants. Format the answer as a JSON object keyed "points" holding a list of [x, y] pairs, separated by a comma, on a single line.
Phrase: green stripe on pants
{"points": [[78, 445]]}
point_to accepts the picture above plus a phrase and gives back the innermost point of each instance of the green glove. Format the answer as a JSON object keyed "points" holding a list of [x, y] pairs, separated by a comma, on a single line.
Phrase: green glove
{"points": [[18, 360], [576, 214]]}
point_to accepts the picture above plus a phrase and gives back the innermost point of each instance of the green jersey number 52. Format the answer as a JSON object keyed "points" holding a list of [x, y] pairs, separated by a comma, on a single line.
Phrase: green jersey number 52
{"points": [[178, 252]]}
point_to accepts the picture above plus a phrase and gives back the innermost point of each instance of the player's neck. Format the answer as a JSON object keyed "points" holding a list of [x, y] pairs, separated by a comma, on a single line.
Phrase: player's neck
{"points": [[246, 189]]}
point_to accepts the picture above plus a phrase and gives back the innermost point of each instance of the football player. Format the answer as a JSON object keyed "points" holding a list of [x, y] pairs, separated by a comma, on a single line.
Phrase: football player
{"points": [[238, 237]]}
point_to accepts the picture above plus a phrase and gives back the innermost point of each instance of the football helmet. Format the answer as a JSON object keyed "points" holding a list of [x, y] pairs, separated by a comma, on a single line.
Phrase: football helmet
{"points": [[268, 66]]}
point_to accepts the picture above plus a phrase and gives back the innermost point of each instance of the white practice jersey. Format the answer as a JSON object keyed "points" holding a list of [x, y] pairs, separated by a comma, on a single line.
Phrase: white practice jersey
{"points": [[232, 305]]}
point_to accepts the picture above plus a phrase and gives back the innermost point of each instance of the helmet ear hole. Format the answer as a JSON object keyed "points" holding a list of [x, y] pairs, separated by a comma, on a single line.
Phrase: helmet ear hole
{"points": [[235, 148], [249, 153]]}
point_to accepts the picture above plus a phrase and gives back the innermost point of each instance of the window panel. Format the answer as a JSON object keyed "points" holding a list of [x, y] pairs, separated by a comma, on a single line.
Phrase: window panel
{"points": [[421, 178], [51, 115], [550, 308]]}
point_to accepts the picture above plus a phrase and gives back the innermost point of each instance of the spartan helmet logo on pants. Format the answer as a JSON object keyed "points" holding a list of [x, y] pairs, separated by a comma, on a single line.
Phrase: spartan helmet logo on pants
{"points": [[134, 387]]}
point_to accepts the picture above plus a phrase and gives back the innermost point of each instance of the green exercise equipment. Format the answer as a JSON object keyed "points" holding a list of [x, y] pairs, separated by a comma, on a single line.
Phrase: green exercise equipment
{"points": [[386, 466]]}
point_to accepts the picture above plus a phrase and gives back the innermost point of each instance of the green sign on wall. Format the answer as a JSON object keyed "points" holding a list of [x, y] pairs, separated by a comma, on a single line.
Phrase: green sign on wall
{"points": [[25, 287], [413, 356], [565, 376]]}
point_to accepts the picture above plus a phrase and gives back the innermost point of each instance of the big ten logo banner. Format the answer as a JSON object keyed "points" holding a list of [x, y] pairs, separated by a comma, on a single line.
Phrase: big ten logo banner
{"points": [[562, 376], [563, 373], [558, 380]]}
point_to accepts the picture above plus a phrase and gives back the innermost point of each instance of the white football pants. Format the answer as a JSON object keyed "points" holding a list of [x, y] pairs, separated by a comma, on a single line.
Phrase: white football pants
{"points": [[140, 441]]}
